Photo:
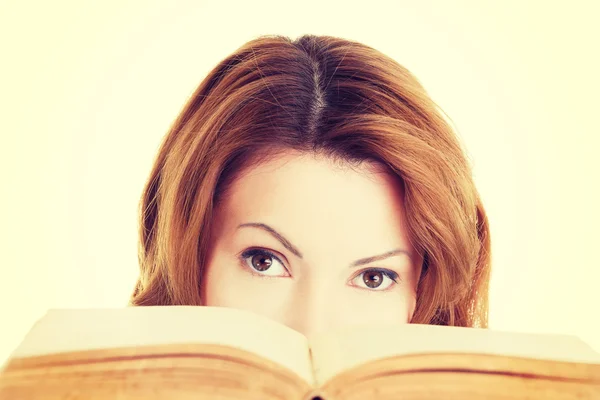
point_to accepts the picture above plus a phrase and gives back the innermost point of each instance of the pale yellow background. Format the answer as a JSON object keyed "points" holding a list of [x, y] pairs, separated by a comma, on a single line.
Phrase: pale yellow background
{"points": [[88, 89]]}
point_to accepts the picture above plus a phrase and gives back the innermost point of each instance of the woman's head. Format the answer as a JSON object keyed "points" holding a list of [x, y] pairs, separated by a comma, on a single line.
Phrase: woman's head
{"points": [[293, 165]]}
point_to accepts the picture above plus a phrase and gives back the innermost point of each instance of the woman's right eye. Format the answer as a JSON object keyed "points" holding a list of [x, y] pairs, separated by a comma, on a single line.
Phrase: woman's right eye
{"points": [[263, 262]]}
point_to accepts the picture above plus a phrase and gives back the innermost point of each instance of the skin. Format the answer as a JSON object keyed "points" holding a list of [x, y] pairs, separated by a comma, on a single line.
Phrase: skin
{"points": [[329, 216]]}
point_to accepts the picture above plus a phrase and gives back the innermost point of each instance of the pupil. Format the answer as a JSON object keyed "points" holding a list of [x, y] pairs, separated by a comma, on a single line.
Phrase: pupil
{"points": [[373, 279], [261, 263]]}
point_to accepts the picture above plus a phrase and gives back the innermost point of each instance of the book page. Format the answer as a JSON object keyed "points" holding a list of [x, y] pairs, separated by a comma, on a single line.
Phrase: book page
{"points": [[339, 350], [87, 329]]}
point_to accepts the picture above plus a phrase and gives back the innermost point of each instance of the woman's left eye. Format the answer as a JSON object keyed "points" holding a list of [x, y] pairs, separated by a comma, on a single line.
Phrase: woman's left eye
{"points": [[375, 279]]}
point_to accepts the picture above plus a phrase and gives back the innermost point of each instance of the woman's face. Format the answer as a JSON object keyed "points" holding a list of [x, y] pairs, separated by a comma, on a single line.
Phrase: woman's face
{"points": [[313, 246]]}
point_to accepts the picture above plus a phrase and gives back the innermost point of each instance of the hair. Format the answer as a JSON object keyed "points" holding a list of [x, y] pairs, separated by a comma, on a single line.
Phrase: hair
{"points": [[325, 95]]}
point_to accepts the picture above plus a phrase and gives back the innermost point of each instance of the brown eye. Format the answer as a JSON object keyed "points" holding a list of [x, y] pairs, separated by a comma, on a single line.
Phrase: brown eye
{"points": [[373, 279], [261, 262]]}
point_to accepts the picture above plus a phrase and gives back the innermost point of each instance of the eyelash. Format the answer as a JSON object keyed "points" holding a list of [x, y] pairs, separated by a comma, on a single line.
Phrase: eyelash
{"points": [[388, 273], [254, 251], [251, 252]]}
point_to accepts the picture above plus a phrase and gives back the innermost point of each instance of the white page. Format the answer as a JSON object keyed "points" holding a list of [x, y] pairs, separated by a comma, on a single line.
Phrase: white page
{"points": [[85, 329], [336, 351]]}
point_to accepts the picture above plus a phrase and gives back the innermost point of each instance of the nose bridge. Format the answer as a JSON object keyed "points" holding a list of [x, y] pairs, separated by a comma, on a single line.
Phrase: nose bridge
{"points": [[313, 306]]}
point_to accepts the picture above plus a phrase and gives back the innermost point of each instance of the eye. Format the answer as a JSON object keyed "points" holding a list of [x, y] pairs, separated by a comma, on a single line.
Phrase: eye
{"points": [[263, 262], [375, 279]]}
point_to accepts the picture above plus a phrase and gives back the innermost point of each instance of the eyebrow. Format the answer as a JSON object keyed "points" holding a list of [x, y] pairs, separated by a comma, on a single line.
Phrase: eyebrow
{"points": [[286, 243]]}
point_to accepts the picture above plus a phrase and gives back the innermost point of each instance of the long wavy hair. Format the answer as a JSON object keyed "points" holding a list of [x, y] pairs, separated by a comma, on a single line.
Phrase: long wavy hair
{"points": [[327, 95]]}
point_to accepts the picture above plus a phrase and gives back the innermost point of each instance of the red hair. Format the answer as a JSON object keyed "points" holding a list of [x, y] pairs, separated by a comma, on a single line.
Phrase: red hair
{"points": [[326, 95]]}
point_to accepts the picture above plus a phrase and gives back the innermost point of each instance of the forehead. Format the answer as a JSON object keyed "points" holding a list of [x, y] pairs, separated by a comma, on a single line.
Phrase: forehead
{"points": [[316, 168], [303, 193]]}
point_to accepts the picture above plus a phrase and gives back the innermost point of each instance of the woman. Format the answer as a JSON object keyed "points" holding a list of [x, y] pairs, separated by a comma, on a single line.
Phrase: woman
{"points": [[315, 182]]}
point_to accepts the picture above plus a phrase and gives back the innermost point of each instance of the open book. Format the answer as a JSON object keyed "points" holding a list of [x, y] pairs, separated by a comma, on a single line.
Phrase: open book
{"points": [[186, 352]]}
